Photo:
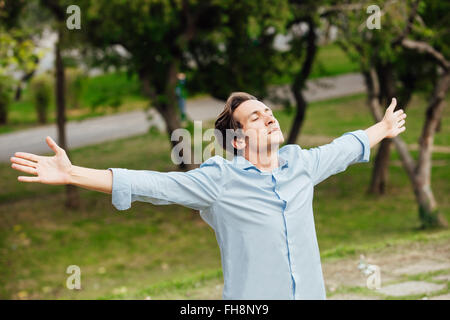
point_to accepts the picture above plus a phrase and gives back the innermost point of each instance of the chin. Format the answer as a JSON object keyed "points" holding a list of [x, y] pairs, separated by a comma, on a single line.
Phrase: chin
{"points": [[276, 138]]}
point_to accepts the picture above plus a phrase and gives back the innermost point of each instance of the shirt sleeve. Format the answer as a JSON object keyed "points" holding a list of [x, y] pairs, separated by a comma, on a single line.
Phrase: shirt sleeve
{"points": [[334, 157], [196, 189]]}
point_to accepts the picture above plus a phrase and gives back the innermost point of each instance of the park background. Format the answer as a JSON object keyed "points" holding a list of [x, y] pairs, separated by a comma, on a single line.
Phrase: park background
{"points": [[324, 67]]}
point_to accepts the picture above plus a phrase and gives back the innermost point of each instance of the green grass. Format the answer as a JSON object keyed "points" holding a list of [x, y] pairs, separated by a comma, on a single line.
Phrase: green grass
{"points": [[151, 250], [331, 60]]}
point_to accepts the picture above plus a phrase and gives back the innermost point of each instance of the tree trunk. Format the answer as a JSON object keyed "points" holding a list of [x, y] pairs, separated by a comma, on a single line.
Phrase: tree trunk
{"points": [[25, 79], [72, 196], [3, 112], [429, 214], [381, 168], [299, 116], [420, 173], [18, 94], [167, 109], [386, 92], [300, 80], [380, 172]]}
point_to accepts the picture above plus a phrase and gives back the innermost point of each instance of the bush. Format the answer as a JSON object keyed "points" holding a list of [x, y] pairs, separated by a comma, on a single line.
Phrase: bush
{"points": [[74, 87], [41, 92], [109, 90]]}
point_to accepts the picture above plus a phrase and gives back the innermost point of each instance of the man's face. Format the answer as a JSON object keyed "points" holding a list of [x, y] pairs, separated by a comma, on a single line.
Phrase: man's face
{"points": [[260, 127]]}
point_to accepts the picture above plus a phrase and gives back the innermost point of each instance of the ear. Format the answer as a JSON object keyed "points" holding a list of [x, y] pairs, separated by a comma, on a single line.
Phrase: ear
{"points": [[238, 143]]}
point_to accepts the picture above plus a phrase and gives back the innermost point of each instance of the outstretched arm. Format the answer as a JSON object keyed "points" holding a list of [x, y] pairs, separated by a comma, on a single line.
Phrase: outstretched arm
{"points": [[352, 147], [389, 127], [196, 189], [58, 170]]}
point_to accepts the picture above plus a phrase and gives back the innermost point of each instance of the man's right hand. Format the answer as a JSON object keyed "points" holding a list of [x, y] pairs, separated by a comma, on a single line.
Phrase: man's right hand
{"points": [[54, 170]]}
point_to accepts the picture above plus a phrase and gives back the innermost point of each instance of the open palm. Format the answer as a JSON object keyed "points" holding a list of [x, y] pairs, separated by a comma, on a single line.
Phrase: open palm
{"points": [[394, 120], [49, 170]]}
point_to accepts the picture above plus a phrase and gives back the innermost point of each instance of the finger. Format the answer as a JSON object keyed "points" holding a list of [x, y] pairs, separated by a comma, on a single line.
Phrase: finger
{"points": [[52, 144], [24, 168], [393, 104], [402, 129], [401, 123], [398, 112], [23, 162], [28, 179], [26, 155]]}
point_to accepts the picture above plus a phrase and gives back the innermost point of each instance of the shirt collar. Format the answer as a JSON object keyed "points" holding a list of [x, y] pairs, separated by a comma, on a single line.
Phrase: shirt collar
{"points": [[242, 163]]}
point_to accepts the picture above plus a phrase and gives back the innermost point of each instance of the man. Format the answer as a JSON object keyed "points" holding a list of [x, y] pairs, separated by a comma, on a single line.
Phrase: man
{"points": [[259, 203]]}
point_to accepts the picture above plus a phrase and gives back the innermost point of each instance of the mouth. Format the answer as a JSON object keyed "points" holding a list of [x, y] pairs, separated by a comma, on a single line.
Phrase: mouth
{"points": [[274, 130]]}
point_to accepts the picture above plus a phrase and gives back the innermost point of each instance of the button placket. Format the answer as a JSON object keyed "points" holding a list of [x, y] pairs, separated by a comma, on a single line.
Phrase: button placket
{"points": [[288, 242]]}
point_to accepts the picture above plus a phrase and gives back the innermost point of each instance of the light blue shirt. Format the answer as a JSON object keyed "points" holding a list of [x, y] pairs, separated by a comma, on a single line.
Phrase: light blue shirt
{"points": [[263, 221]]}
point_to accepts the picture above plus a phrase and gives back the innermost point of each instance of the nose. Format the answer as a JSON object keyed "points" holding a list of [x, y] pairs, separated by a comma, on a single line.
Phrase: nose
{"points": [[270, 120]]}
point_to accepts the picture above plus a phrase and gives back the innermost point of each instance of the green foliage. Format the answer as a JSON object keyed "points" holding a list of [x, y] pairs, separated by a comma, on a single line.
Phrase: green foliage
{"points": [[115, 103], [435, 29], [377, 49], [17, 50], [41, 90], [5, 90], [74, 87], [18, 53], [238, 55], [158, 36]]}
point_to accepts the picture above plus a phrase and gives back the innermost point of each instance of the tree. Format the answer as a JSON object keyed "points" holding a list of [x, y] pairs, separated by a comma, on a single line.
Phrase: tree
{"points": [[58, 10], [303, 47], [385, 58], [18, 52], [241, 55], [238, 54], [249, 62], [163, 37], [154, 35]]}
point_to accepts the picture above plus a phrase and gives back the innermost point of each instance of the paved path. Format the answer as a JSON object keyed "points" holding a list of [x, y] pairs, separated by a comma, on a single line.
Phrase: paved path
{"points": [[105, 128]]}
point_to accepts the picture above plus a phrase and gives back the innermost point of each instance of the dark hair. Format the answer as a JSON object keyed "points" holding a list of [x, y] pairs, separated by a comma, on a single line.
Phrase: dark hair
{"points": [[226, 121]]}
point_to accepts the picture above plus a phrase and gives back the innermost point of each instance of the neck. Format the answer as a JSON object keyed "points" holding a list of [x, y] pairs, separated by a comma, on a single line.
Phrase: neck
{"points": [[264, 161]]}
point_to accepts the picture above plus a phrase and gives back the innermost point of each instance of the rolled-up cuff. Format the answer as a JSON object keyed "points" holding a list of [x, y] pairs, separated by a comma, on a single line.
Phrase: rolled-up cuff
{"points": [[362, 136], [121, 189]]}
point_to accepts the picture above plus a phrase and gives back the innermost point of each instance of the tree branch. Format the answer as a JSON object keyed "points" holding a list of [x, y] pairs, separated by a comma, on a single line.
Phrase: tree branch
{"points": [[423, 47], [409, 24]]}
